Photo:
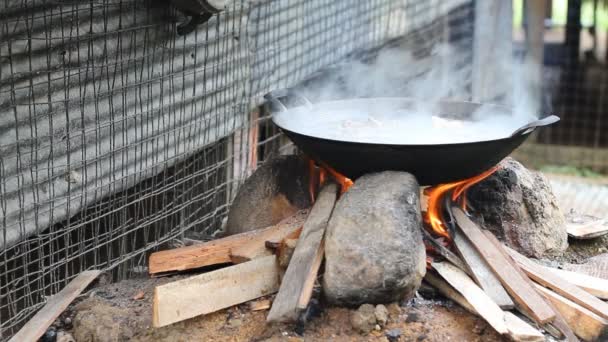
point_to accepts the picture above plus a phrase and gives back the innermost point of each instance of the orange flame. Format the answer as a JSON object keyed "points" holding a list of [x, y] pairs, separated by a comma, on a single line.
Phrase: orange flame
{"points": [[435, 200], [318, 177]]}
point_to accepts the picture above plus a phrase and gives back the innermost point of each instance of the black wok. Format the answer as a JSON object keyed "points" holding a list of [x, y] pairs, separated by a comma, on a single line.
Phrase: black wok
{"points": [[431, 164]]}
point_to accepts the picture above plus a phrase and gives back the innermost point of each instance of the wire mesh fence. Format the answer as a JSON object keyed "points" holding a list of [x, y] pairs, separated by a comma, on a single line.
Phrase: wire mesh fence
{"points": [[118, 135], [575, 86]]}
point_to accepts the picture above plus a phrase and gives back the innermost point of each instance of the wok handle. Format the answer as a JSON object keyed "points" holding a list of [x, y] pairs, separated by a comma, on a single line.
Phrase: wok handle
{"points": [[275, 97], [534, 124]]}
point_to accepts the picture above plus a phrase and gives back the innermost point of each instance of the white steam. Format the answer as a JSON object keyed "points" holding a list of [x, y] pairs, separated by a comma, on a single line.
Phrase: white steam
{"points": [[444, 75]]}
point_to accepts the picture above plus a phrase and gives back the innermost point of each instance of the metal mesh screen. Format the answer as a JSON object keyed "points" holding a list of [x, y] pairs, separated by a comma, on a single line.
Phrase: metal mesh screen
{"points": [[118, 135], [575, 86]]}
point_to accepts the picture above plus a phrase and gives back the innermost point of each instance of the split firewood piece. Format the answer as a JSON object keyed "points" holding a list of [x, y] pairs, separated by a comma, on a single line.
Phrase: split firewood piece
{"points": [[519, 330], [213, 291], [558, 328], [232, 249], [482, 303], [584, 323], [448, 291], [481, 272], [504, 323], [296, 287], [42, 320], [596, 286], [559, 285], [584, 227], [445, 252], [521, 291]]}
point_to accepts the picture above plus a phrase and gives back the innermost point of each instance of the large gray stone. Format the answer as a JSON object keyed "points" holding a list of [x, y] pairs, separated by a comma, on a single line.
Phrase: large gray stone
{"points": [[519, 207], [374, 251]]}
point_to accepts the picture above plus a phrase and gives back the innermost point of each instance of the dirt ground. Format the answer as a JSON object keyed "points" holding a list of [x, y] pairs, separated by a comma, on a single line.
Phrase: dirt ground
{"points": [[115, 312]]}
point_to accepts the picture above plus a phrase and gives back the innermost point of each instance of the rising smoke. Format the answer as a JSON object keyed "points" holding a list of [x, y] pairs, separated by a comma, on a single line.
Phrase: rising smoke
{"points": [[445, 74]]}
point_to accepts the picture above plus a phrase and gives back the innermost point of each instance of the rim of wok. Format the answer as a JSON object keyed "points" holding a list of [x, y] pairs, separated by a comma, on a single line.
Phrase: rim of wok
{"points": [[476, 105]]}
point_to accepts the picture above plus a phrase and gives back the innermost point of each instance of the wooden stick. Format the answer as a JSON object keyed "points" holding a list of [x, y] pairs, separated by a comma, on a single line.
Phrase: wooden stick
{"points": [[559, 285], [42, 320], [584, 323], [559, 327], [213, 291], [482, 273], [596, 286], [521, 291], [304, 263], [478, 299], [239, 248]]}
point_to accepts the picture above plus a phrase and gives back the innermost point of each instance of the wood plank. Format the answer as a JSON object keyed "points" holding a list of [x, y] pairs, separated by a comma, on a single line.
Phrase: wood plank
{"points": [[42, 320], [596, 286], [309, 282], [303, 264], [558, 328], [220, 251], [213, 291], [559, 285], [584, 323], [481, 272], [478, 299], [588, 230], [521, 291], [448, 291], [519, 330]]}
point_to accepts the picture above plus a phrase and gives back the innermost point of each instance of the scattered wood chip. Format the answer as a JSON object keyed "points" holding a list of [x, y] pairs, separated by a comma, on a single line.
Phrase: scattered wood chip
{"points": [[559, 285], [258, 305], [139, 295], [483, 305], [296, 289], [596, 286], [235, 248], [584, 323], [216, 290], [520, 290], [481, 272], [42, 320]]}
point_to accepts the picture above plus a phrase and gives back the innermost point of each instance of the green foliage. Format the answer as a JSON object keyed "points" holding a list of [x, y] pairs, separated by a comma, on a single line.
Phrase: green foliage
{"points": [[571, 171]]}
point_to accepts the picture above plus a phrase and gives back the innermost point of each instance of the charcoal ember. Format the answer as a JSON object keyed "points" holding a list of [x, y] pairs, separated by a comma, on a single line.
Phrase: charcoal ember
{"points": [[374, 251], [276, 190], [519, 207]]}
